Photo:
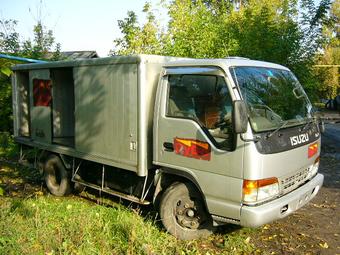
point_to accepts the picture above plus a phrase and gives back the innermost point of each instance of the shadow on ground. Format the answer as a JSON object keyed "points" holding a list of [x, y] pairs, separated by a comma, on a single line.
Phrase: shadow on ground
{"points": [[19, 181]]}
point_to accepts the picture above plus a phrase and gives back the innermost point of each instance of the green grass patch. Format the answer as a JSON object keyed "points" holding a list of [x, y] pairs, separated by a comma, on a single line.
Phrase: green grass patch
{"points": [[71, 225], [34, 222]]}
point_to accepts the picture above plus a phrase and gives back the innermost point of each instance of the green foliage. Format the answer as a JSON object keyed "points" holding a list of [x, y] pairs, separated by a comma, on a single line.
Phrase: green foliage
{"points": [[38, 48], [41, 45], [50, 225], [194, 31], [8, 149], [137, 39], [34, 222], [327, 72], [9, 38], [287, 32], [266, 30], [5, 70], [5, 97]]}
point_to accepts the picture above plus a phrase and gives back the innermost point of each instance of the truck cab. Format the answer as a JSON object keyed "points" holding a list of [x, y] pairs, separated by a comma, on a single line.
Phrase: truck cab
{"points": [[242, 135]]}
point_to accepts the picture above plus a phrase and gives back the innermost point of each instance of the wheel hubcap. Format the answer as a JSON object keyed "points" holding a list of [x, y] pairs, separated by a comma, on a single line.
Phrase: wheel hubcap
{"points": [[190, 213], [187, 214]]}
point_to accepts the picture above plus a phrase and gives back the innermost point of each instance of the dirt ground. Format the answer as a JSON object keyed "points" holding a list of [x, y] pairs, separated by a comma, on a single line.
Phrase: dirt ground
{"points": [[314, 229]]}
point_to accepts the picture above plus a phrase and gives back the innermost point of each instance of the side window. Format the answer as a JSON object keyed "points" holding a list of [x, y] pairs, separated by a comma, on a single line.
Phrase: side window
{"points": [[206, 100]]}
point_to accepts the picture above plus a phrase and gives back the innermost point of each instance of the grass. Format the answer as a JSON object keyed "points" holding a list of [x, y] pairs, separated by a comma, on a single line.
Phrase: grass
{"points": [[50, 225], [34, 222]]}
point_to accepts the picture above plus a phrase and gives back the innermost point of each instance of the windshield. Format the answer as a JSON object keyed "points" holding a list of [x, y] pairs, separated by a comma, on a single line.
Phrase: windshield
{"points": [[274, 97]]}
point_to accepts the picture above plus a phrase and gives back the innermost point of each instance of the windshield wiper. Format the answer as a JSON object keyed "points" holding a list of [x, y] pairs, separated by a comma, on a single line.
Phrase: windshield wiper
{"points": [[282, 126], [310, 121]]}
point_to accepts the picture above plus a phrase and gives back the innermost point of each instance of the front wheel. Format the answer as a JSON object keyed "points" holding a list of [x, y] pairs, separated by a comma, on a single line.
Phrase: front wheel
{"points": [[183, 212]]}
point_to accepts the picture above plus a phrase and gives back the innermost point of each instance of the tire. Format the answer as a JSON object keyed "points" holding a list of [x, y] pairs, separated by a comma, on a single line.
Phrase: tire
{"points": [[183, 212], [56, 176]]}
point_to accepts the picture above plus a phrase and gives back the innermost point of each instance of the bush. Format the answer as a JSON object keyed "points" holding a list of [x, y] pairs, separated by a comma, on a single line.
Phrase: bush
{"points": [[8, 148]]}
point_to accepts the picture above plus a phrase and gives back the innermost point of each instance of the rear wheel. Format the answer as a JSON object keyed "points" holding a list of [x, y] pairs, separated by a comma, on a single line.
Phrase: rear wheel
{"points": [[56, 176], [183, 212]]}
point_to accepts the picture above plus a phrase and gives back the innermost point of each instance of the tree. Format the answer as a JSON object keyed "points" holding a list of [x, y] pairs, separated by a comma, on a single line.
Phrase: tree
{"points": [[9, 38], [147, 39], [194, 31], [283, 32], [326, 70], [191, 23], [5, 96], [43, 43]]}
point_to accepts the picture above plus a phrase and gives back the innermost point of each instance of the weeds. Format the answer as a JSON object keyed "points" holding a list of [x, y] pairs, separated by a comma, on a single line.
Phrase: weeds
{"points": [[72, 225], [8, 149], [49, 225], [34, 222]]}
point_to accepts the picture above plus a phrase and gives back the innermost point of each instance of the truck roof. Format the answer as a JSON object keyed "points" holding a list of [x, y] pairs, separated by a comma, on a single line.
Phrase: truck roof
{"points": [[166, 60], [226, 62]]}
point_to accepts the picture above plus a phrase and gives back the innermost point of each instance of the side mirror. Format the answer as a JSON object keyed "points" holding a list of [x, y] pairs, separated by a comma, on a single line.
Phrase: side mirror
{"points": [[240, 117]]}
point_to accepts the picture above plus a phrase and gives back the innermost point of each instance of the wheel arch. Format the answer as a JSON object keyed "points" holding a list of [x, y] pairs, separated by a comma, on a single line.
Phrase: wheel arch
{"points": [[164, 177]]}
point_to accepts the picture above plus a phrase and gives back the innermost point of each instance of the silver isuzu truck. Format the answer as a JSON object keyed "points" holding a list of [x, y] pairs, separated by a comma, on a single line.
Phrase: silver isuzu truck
{"points": [[207, 141]]}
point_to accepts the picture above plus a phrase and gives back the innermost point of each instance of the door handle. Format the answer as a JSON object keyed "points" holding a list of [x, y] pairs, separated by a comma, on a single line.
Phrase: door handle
{"points": [[168, 146]]}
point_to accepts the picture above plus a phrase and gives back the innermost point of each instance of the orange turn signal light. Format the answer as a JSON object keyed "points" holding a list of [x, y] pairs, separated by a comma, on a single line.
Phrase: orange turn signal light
{"points": [[250, 185], [313, 149]]}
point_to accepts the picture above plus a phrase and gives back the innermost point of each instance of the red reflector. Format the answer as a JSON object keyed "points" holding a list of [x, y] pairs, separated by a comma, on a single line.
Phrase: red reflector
{"points": [[312, 150]]}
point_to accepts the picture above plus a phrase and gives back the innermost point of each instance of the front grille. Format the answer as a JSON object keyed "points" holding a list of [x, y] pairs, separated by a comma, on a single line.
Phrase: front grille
{"points": [[291, 182]]}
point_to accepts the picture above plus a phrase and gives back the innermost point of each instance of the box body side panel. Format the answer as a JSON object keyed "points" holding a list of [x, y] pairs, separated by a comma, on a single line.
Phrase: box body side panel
{"points": [[106, 112], [112, 109]]}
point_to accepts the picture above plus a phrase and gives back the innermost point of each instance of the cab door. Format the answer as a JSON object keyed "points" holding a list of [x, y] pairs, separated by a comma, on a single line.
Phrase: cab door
{"points": [[193, 133]]}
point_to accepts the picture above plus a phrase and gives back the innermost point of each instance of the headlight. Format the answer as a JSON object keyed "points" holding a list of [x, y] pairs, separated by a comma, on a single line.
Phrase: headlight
{"points": [[255, 191]]}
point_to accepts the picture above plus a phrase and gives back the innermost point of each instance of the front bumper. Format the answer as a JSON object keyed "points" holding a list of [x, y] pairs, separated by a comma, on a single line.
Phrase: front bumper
{"points": [[254, 216]]}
